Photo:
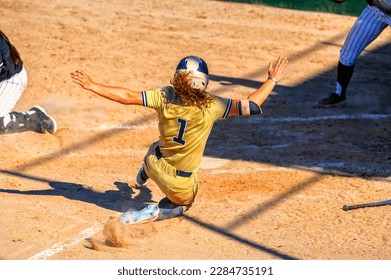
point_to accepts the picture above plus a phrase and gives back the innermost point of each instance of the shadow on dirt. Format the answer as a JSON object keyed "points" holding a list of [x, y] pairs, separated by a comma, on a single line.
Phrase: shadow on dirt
{"points": [[121, 200], [353, 140], [227, 231]]}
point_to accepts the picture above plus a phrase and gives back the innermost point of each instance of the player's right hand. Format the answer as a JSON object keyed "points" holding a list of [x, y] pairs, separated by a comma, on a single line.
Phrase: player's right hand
{"points": [[82, 79]]}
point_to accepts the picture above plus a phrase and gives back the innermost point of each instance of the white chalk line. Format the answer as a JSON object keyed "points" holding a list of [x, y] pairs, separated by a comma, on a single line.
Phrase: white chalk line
{"points": [[323, 118], [61, 246], [110, 126]]}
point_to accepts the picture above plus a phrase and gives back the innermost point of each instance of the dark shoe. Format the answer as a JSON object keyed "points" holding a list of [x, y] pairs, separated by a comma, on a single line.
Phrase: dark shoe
{"points": [[46, 122], [140, 178], [332, 100]]}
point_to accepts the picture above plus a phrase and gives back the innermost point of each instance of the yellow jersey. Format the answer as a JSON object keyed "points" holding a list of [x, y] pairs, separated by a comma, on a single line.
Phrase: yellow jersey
{"points": [[184, 130]]}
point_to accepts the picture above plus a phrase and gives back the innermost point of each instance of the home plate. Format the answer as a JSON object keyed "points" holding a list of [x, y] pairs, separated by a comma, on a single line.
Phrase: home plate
{"points": [[210, 163]]}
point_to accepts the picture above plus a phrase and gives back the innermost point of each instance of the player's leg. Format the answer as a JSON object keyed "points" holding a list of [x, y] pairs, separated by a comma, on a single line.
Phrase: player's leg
{"points": [[180, 189], [367, 28], [14, 122], [11, 90], [36, 119], [141, 178], [169, 209]]}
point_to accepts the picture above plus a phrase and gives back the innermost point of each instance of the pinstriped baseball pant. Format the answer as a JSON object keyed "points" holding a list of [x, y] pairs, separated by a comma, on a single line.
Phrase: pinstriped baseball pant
{"points": [[367, 28], [11, 90]]}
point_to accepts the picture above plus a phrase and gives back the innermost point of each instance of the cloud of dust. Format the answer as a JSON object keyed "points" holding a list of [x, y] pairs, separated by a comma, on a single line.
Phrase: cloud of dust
{"points": [[117, 234]]}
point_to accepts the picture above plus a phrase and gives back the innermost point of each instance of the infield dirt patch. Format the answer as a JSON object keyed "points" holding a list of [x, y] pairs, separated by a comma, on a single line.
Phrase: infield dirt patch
{"points": [[271, 186]]}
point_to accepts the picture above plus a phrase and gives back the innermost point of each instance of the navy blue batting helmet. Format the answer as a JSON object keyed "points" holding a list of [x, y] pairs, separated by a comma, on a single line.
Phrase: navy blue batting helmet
{"points": [[197, 69]]}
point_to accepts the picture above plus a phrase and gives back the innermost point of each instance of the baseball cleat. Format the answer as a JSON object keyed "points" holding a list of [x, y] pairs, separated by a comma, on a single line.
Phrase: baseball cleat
{"points": [[46, 122], [148, 214], [333, 100]]}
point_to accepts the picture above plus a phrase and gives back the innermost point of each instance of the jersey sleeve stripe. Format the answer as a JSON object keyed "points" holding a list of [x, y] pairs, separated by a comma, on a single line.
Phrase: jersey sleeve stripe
{"points": [[144, 97], [229, 105]]}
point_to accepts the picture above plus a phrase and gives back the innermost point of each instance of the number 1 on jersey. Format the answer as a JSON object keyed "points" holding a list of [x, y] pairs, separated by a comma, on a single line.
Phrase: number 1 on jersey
{"points": [[181, 132]]}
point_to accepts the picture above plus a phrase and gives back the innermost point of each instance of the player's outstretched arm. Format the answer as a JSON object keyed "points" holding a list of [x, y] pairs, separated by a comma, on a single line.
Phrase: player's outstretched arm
{"points": [[275, 74], [118, 94]]}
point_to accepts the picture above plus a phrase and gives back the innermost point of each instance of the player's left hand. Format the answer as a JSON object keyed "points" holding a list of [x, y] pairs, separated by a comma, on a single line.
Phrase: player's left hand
{"points": [[277, 71]]}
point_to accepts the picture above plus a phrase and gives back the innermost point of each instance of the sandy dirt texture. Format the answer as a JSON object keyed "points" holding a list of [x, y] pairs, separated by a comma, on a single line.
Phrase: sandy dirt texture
{"points": [[271, 186]]}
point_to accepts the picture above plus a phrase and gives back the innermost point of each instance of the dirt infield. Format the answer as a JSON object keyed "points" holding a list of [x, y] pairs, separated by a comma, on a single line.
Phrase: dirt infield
{"points": [[271, 186]]}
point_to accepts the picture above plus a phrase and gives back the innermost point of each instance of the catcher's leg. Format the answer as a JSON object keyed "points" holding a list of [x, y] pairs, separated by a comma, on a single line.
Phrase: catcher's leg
{"points": [[36, 119]]}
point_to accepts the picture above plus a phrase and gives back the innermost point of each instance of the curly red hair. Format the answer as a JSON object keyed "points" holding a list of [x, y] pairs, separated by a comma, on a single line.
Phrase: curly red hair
{"points": [[188, 94]]}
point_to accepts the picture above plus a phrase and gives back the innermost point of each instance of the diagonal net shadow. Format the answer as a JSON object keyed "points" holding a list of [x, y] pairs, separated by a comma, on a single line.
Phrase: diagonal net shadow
{"points": [[252, 79], [82, 144], [257, 211], [239, 239], [120, 200]]}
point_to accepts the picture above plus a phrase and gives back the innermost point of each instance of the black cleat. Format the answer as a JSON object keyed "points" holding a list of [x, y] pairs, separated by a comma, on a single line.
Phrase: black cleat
{"points": [[46, 122], [331, 101]]}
